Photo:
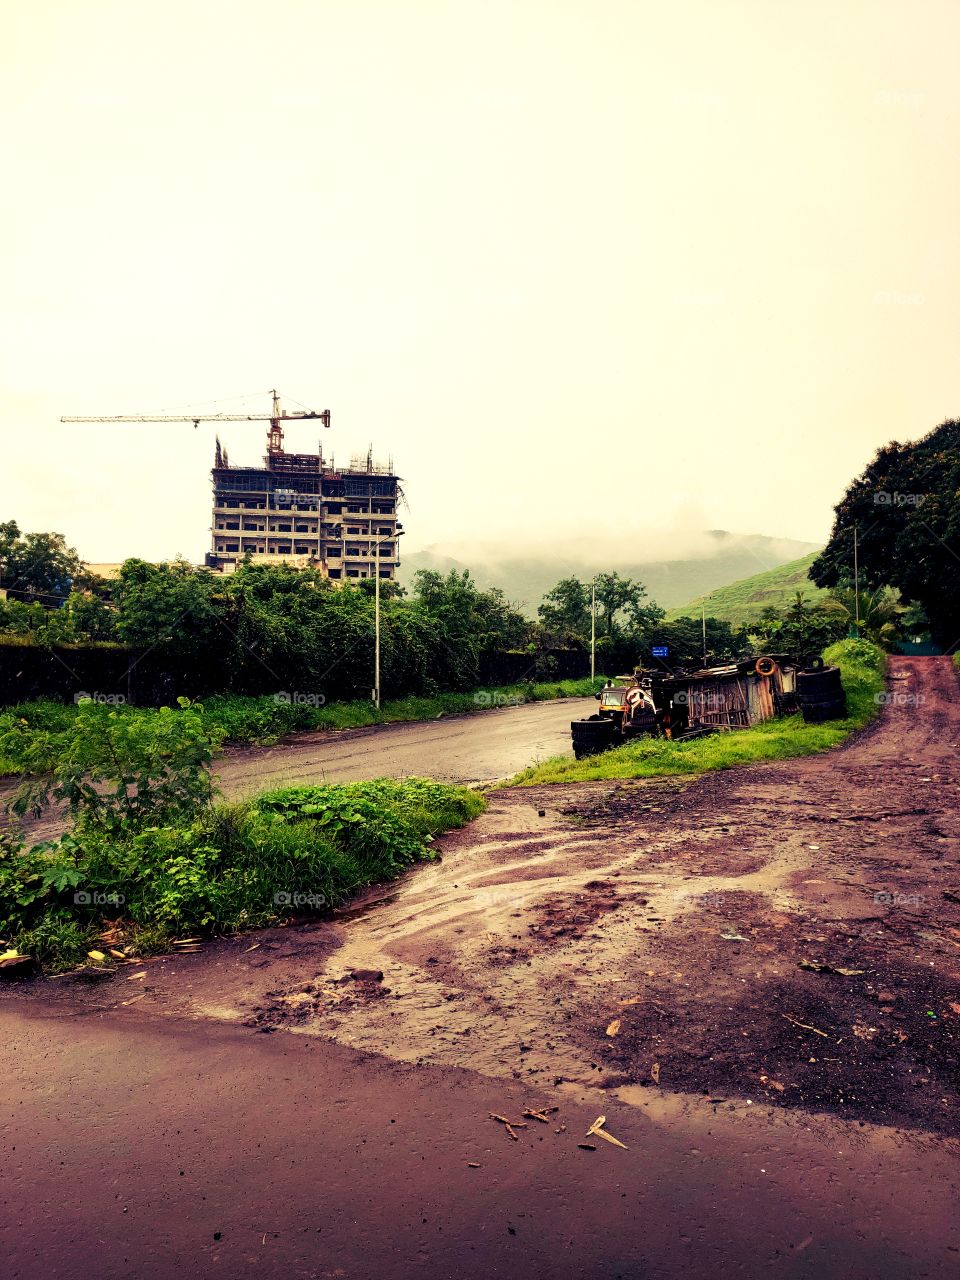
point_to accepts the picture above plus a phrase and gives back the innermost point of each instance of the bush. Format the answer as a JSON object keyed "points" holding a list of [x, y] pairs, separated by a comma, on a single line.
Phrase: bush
{"points": [[117, 770], [298, 850]]}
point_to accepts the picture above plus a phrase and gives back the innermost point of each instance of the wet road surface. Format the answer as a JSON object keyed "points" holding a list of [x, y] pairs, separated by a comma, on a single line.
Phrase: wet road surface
{"points": [[480, 748], [137, 1150]]}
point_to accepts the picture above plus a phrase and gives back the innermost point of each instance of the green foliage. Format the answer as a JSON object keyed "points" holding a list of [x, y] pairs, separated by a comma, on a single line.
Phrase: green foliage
{"points": [[684, 638], [802, 629], [862, 666], [39, 563], [228, 867], [116, 771], [623, 612], [878, 615], [905, 508]]}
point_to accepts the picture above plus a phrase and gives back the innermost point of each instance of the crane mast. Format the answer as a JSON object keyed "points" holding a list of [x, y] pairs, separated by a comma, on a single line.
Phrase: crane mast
{"points": [[276, 418]]}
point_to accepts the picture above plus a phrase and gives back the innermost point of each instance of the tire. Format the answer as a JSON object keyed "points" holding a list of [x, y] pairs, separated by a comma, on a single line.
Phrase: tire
{"points": [[589, 737], [819, 686], [818, 712]]}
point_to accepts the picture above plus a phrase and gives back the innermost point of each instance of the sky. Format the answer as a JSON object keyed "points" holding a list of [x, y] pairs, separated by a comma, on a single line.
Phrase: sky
{"points": [[587, 269]]}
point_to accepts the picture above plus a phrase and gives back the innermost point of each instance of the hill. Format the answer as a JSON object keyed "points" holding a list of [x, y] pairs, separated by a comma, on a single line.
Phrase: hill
{"points": [[741, 602], [713, 560]]}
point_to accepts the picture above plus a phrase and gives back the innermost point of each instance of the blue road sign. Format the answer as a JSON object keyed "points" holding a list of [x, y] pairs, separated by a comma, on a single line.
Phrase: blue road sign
{"points": [[661, 651]]}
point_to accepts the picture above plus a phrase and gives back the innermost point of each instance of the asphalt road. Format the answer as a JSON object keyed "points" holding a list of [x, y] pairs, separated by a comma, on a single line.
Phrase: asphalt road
{"points": [[181, 1150], [485, 747], [480, 748]]}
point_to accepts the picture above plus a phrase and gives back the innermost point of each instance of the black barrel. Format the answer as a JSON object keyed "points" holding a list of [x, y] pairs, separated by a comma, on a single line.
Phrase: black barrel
{"points": [[819, 686], [821, 696]]}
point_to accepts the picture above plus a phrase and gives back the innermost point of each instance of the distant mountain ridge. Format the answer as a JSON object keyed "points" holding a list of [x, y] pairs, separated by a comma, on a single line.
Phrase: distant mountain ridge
{"points": [[720, 558], [742, 602]]}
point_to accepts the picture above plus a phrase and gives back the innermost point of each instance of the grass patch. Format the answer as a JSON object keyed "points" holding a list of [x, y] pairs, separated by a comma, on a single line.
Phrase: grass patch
{"points": [[862, 667], [263, 720], [297, 851]]}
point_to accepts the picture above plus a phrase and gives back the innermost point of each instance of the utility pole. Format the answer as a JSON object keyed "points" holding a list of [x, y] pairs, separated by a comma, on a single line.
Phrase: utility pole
{"points": [[376, 619], [593, 629], [703, 623], [376, 626], [856, 578]]}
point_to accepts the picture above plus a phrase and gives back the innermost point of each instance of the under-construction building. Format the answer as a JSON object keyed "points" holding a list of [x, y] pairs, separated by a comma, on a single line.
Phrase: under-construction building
{"points": [[299, 510]]}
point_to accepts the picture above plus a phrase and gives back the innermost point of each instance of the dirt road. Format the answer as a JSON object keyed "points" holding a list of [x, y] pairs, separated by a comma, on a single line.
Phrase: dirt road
{"points": [[763, 964]]}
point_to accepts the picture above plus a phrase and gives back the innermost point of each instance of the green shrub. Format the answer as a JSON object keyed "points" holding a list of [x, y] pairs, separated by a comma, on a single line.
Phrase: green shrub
{"points": [[232, 866]]}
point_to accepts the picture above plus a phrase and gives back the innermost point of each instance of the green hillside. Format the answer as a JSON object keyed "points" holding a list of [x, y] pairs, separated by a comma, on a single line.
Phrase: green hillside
{"points": [[741, 602]]}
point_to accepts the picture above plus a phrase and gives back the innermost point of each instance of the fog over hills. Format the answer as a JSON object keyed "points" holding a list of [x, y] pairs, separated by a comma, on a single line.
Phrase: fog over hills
{"points": [[675, 568]]}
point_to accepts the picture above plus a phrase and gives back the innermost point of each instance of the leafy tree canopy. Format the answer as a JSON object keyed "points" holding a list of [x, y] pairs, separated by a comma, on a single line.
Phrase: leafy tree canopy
{"points": [[39, 564], [905, 508]]}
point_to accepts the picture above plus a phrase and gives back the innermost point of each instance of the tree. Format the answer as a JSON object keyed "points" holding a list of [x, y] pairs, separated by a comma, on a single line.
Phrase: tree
{"points": [[801, 629], [164, 604], [36, 564], [623, 609], [875, 615], [565, 609], [905, 508], [684, 639]]}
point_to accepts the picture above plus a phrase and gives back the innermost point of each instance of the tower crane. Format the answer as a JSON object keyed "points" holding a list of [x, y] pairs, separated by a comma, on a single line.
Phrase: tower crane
{"points": [[277, 417]]}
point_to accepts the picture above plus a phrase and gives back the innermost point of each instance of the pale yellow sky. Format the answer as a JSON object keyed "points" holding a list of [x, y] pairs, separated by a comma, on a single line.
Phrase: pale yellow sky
{"points": [[586, 269]]}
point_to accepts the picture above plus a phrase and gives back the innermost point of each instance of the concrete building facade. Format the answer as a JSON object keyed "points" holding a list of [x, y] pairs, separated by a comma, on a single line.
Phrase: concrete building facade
{"points": [[299, 510]]}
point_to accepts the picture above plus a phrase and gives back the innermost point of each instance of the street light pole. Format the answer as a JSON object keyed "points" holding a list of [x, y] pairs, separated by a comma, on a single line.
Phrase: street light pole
{"points": [[376, 617], [593, 629], [376, 626]]}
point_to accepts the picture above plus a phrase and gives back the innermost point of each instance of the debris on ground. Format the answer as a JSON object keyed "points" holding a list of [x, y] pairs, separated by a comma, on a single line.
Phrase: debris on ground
{"points": [[14, 965], [540, 1114], [806, 1026], [820, 966], [597, 1129], [586, 1146], [613, 1027], [510, 1125]]}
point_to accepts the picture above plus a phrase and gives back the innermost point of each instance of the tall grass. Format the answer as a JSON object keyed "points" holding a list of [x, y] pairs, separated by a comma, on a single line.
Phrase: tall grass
{"points": [[862, 666], [299, 851]]}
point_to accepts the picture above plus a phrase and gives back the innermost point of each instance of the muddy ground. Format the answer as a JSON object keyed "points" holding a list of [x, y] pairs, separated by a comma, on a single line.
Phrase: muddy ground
{"points": [[659, 935]]}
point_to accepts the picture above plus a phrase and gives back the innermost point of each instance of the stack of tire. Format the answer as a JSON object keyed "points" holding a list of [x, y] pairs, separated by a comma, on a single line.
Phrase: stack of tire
{"points": [[820, 693], [592, 736]]}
